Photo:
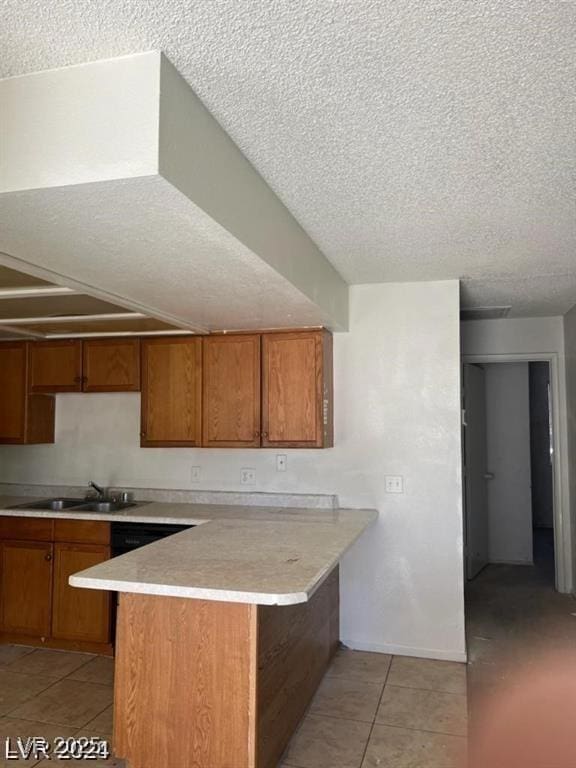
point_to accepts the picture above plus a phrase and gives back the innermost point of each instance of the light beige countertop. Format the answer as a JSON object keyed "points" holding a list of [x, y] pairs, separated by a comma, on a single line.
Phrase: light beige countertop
{"points": [[245, 554]]}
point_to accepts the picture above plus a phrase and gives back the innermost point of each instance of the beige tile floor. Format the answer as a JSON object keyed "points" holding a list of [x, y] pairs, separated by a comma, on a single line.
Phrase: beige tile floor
{"points": [[54, 694], [377, 711], [371, 710]]}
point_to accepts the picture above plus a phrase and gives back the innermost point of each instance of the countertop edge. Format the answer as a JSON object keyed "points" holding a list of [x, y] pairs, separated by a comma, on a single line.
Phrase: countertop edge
{"points": [[219, 595]]}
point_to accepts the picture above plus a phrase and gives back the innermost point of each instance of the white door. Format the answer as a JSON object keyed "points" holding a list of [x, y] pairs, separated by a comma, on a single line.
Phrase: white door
{"points": [[475, 496]]}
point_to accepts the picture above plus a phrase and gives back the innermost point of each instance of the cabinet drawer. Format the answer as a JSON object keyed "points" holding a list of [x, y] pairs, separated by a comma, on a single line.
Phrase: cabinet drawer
{"points": [[27, 528], [82, 531]]}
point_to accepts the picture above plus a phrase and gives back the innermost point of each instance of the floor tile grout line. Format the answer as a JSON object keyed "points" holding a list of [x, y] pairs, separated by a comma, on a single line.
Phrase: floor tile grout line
{"points": [[52, 684], [422, 730], [312, 713], [363, 758], [26, 701]]}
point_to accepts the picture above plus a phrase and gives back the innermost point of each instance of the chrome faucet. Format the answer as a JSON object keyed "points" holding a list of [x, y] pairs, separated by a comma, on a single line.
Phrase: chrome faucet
{"points": [[98, 488]]}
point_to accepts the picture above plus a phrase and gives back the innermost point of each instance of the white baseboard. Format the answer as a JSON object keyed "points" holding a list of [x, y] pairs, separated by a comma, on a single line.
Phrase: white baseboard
{"points": [[405, 650]]}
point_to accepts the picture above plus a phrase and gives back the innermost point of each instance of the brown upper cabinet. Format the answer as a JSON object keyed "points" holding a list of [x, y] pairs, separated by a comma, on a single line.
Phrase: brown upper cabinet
{"points": [[297, 393], [24, 418], [231, 386], [171, 392], [95, 365], [111, 365], [56, 366]]}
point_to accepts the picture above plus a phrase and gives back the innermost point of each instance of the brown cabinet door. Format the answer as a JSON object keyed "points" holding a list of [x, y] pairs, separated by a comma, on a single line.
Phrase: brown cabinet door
{"points": [[13, 392], [297, 389], [56, 366], [111, 365], [171, 392], [79, 614], [26, 591], [231, 391]]}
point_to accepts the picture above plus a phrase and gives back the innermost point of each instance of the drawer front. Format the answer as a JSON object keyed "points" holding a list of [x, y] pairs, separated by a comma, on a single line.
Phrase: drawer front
{"points": [[82, 531], [27, 528]]}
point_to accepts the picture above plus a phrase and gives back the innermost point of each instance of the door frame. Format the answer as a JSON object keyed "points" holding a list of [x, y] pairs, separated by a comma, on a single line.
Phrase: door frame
{"points": [[563, 553]]}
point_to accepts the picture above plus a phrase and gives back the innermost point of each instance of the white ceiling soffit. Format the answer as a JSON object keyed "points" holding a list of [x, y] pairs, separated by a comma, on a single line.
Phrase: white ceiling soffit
{"points": [[412, 140], [541, 296], [127, 186]]}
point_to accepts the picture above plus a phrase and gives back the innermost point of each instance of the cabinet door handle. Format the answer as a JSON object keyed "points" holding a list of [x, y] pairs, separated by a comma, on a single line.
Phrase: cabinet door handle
{"points": [[264, 434], [48, 557], [142, 434]]}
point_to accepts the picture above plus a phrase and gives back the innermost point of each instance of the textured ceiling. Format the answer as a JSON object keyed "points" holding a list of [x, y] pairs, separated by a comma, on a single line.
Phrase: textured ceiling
{"points": [[413, 139], [137, 238]]}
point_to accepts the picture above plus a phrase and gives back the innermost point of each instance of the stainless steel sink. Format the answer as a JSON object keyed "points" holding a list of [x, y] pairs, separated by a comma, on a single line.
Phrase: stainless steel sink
{"points": [[56, 505], [107, 506], [81, 505]]}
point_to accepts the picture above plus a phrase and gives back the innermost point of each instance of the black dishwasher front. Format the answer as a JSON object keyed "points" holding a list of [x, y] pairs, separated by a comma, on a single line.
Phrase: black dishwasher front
{"points": [[128, 536]]}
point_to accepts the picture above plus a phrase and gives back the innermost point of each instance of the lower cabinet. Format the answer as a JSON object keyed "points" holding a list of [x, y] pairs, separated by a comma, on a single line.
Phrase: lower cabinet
{"points": [[79, 614], [37, 605], [26, 568]]}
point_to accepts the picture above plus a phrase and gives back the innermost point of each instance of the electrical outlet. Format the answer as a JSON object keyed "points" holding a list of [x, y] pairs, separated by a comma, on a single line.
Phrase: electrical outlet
{"points": [[281, 462], [195, 474], [394, 484], [247, 476]]}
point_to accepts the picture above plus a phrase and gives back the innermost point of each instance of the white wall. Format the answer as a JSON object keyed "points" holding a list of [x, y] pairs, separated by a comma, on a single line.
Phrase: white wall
{"points": [[513, 336], [397, 393], [508, 458], [75, 125]]}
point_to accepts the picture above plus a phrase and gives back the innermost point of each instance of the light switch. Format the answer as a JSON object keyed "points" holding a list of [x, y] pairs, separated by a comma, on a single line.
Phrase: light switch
{"points": [[394, 484]]}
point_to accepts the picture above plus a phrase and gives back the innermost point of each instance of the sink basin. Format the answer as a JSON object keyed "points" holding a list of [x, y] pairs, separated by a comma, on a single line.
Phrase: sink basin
{"points": [[59, 505], [55, 505], [106, 506]]}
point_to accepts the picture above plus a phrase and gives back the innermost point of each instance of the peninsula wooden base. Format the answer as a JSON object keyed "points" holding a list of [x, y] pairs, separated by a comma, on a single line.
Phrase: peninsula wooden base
{"points": [[217, 685]]}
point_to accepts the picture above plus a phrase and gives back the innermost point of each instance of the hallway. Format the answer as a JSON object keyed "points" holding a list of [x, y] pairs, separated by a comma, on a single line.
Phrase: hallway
{"points": [[516, 622]]}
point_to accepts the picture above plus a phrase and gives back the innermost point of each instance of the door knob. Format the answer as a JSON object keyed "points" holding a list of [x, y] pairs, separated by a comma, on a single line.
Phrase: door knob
{"points": [[488, 476]]}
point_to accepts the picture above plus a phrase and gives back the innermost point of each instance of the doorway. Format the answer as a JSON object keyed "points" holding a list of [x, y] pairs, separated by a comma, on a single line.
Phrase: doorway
{"points": [[508, 466]]}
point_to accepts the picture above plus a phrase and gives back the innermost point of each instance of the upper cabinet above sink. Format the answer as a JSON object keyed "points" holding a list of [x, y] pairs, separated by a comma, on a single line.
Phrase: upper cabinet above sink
{"points": [[111, 365], [95, 365], [56, 366], [234, 390]]}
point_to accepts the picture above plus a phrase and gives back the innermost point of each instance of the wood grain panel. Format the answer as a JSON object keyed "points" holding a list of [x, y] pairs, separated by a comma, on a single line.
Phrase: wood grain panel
{"points": [[171, 392], [56, 366], [295, 646], [111, 365], [231, 387], [184, 690], [82, 532], [12, 391], [26, 587], [27, 528], [40, 419], [297, 390], [79, 614]]}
